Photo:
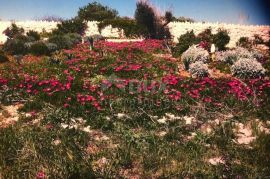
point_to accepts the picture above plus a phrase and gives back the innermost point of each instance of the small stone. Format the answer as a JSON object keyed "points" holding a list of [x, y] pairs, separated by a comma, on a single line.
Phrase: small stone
{"points": [[216, 161], [162, 120]]}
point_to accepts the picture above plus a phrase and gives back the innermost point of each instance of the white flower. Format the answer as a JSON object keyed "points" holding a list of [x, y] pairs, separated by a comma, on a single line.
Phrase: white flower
{"points": [[199, 69], [231, 56], [247, 68], [194, 54]]}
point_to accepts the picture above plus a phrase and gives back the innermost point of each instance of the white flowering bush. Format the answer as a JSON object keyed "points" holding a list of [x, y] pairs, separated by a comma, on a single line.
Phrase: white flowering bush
{"points": [[231, 56], [247, 68], [199, 69], [194, 54]]}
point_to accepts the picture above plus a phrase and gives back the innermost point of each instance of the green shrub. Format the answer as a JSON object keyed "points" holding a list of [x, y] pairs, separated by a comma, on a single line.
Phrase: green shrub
{"points": [[184, 42], [130, 26], [13, 31], [183, 19], [221, 39], [51, 47], [33, 34], [257, 40], [74, 38], [66, 41], [206, 36], [3, 57], [244, 42], [70, 26], [96, 12], [17, 45], [39, 48]]}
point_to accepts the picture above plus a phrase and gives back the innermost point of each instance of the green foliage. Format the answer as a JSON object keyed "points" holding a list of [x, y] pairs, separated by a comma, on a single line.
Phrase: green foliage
{"points": [[96, 12], [16, 45], [183, 19], [45, 34], [146, 17], [13, 31], [66, 41], [33, 34], [257, 40], [75, 25], [244, 42], [28, 151], [184, 42], [206, 36], [3, 57], [39, 48], [130, 26], [168, 17], [221, 39]]}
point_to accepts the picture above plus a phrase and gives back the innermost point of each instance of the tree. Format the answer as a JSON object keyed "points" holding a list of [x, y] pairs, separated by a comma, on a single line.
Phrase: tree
{"points": [[168, 17], [13, 31], [75, 25], [146, 16], [96, 12]]}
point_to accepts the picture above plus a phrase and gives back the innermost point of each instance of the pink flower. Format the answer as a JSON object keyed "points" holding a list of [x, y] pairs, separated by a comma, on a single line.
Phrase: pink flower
{"points": [[170, 80], [40, 175]]}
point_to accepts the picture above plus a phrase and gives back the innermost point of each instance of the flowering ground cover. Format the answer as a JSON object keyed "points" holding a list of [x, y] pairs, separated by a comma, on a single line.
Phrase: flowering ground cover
{"points": [[123, 110]]}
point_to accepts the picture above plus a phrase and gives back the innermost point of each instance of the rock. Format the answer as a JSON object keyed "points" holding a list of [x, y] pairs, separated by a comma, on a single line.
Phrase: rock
{"points": [[216, 161]]}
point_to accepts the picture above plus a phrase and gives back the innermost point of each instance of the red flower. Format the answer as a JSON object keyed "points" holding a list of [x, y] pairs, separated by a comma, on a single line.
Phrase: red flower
{"points": [[40, 175]]}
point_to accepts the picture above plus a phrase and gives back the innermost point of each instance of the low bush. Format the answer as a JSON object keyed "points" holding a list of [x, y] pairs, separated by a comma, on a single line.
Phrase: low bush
{"points": [[66, 41], [206, 37], [51, 47], [184, 42], [17, 45], [244, 42], [199, 69], [3, 57], [247, 68], [194, 54], [231, 56], [39, 48], [257, 40], [221, 39], [33, 34]]}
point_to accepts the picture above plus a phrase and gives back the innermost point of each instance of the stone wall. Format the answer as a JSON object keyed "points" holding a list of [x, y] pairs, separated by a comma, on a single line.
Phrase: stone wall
{"points": [[176, 28], [235, 31]]}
